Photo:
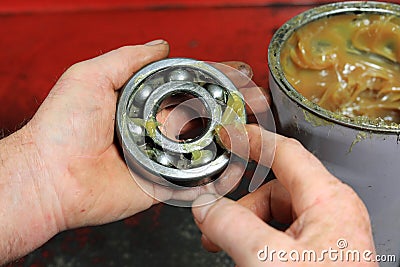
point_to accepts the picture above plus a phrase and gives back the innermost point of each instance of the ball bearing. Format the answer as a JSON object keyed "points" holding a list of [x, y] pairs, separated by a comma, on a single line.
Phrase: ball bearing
{"points": [[147, 150]]}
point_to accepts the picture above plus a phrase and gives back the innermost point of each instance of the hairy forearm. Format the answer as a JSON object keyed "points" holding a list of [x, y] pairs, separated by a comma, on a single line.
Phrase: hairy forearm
{"points": [[26, 222]]}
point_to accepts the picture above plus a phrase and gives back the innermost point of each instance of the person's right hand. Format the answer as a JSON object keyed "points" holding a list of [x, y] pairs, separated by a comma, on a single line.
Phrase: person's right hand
{"points": [[324, 214]]}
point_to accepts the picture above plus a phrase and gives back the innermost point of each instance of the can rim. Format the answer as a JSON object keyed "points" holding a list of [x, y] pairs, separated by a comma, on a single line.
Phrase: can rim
{"points": [[288, 28]]}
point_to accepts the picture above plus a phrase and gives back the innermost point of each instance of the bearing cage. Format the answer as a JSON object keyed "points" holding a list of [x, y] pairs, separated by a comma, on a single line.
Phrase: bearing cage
{"points": [[151, 154]]}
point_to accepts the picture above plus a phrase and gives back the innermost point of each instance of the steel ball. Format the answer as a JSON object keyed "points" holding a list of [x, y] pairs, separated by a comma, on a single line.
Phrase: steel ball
{"points": [[180, 75], [142, 95], [217, 92]]}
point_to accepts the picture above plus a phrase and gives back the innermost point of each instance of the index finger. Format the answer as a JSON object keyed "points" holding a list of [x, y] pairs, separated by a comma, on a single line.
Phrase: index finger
{"points": [[238, 72], [299, 171]]}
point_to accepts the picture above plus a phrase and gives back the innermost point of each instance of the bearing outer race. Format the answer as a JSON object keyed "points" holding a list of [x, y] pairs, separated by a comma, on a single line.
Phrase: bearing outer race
{"points": [[137, 161]]}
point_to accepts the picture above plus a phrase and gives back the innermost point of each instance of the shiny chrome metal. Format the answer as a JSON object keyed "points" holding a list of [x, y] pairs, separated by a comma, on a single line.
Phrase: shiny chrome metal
{"points": [[147, 150], [179, 75], [217, 92]]}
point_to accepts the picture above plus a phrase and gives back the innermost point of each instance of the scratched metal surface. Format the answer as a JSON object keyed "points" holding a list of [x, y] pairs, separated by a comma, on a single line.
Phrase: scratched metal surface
{"points": [[40, 39]]}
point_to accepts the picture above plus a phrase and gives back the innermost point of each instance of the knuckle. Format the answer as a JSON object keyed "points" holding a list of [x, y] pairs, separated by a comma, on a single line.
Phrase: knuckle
{"points": [[350, 197], [224, 216], [292, 142], [349, 191], [77, 71], [76, 68], [354, 204]]}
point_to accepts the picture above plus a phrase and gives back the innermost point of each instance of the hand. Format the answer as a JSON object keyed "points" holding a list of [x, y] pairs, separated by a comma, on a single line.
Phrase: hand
{"points": [[320, 209], [63, 169]]}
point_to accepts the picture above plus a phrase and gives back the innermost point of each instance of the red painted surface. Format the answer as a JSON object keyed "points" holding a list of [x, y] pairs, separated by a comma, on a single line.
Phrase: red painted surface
{"points": [[40, 39], [35, 48], [51, 5]]}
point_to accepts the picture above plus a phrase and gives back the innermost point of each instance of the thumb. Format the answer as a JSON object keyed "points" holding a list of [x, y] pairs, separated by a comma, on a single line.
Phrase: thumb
{"points": [[114, 68], [235, 229]]}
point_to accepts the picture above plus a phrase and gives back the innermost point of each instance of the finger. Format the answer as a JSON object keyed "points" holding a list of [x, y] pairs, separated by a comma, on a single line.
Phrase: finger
{"points": [[180, 121], [175, 100], [240, 66], [208, 245], [229, 180], [257, 100], [113, 69], [299, 171], [270, 202], [246, 142], [239, 73], [236, 229]]}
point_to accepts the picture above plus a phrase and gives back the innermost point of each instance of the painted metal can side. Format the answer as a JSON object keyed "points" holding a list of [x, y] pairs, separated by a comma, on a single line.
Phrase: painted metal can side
{"points": [[363, 156]]}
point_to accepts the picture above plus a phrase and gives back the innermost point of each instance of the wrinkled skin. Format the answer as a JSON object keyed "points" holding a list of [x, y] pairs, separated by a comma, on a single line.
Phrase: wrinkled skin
{"points": [[319, 209]]}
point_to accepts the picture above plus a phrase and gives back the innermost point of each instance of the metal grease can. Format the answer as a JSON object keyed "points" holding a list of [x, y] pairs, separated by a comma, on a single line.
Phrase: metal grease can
{"points": [[362, 153]]}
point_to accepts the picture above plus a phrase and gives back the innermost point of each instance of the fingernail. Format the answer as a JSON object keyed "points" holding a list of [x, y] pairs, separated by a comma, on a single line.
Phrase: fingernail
{"points": [[246, 70], [156, 42], [202, 205], [208, 245]]}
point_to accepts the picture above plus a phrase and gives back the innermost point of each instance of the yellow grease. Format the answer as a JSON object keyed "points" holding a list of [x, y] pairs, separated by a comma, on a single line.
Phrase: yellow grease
{"points": [[314, 120], [348, 64], [151, 127], [234, 114], [359, 137], [235, 110], [198, 155]]}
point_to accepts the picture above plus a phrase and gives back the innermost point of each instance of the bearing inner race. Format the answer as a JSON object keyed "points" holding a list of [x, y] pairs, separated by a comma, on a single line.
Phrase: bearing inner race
{"points": [[214, 112]]}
